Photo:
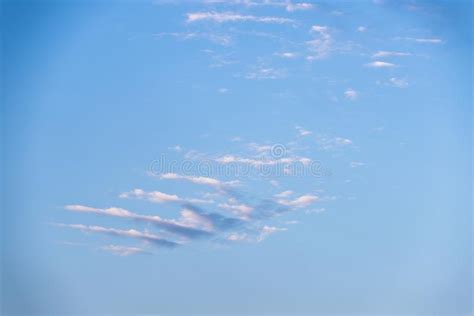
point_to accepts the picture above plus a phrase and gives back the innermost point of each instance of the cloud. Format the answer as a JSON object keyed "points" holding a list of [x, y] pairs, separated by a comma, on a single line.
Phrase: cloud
{"points": [[154, 196], [351, 94], [316, 210], [302, 6], [399, 83], [380, 64], [182, 228], [262, 73], [124, 251], [198, 180], [221, 39], [356, 164], [361, 29], [382, 53], [284, 194], [332, 143], [287, 55], [158, 197], [302, 201], [241, 210], [222, 17], [238, 237], [422, 40], [302, 131], [223, 90], [259, 162], [130, 233], [321, 46], [269, 230]]}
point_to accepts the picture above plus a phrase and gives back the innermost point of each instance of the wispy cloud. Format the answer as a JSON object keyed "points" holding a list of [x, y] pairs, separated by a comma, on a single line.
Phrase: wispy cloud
{"points": [[397, 82], [159, 197], [321, 46], [356, 164], [241, 210], [287, 55], [380, 64], [302, 6], [130, 233], [177, 227], [302, 131], [383, 53], [199, 180], [269, 230], [221, 39], [351, 94], [124, 251], [299, 202], [332, 143], [263, 72], [222, 17], [432, 40]]}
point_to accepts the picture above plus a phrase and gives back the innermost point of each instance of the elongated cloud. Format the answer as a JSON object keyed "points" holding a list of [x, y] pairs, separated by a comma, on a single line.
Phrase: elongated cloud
{"points": [[380, 64], [382, 53], [182, 228], [222, 17], [131, 233], [123, 251], [227, 159], [302, 201], [158, 197], [199, 180]]}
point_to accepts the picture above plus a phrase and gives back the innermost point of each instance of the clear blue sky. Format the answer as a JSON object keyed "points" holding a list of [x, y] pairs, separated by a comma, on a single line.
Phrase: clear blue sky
{"points": [[236, 157]]}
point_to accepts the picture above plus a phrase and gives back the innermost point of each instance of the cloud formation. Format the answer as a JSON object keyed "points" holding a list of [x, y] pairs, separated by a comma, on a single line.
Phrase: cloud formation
{"points": [[222, 17], [130, 233]]}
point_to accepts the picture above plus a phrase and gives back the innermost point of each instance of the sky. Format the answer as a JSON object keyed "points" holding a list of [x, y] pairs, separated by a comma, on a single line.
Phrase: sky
{"points": [[236, 157]]}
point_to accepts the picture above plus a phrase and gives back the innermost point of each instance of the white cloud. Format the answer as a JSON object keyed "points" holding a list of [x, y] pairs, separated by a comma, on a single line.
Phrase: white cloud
{"points": [[176, 148], [321, 46], [123, 251], [131, 233], [268, 230], [423, 40], [399, 83], [351, 94], [331, 143], [302, 201], [181, 226], [222, 17], [316, 210], [287, 55], [223, 90], [262, 73], [302, 131], [274, 183], [158, 197], [383, 53], [198, 180], [380, 64], [241, 210], [284, 194], [361, 29], [299, 6], [221, 39], [238, 237], [228, 159], [356, 164]]}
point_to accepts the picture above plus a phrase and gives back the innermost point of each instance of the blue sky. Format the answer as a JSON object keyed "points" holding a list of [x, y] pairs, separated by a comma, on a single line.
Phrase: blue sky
{"points": [[237, 157]]}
